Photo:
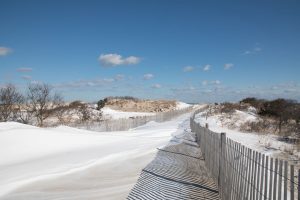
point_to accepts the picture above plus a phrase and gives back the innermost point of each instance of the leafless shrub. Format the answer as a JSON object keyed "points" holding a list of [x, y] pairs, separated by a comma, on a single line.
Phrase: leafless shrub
{"points": [[123, 98], [10, 100], [231, 107], [254, 102], [260, 126], [60, 110], [84, 112], [41, 101], [23, 114]]}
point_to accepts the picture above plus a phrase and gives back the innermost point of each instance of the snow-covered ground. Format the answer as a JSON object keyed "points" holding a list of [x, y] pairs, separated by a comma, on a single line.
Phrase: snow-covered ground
{"points": [[68, 163], [265, 143], [182, 105], [109, 113]]}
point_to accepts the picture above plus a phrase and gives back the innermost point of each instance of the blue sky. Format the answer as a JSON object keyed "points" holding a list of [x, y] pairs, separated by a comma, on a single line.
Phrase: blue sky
{"points": [[195, 51]]}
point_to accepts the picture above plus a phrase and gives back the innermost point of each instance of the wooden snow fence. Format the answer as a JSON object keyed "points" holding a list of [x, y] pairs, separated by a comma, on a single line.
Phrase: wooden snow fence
{"points": [[243, 173], [133, 122]]}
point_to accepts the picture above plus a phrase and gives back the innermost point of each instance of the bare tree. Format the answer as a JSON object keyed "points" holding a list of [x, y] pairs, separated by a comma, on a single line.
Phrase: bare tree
{"points": [[41, 101], [61, 109], [10, 99], [23, 113]]}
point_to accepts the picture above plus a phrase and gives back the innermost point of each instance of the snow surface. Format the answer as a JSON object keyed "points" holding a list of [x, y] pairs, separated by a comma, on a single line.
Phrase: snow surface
{"points": [[68, 163], [116, 114], [182, 105]]}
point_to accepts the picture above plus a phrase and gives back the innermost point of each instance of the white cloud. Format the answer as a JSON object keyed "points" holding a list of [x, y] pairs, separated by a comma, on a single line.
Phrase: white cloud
{"points": [[228, 66], [207, 91], [191, 88], [148, 76], [255, 50], [216, 82], [116, 59], [247, 52], [4, 51], [206, 67], [204, 82], [131, 60], [108, 80], [24, 69], [156, 86], [26, 77], [119, 77], [188, 68]]}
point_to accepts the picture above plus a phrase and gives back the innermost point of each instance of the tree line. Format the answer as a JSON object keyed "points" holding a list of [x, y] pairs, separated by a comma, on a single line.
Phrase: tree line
{"points": [[39, 102], [283, 110]]}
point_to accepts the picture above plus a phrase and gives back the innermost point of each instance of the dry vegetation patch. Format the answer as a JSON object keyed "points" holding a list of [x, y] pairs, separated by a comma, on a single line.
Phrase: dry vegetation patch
{"points": [[130, 104]]}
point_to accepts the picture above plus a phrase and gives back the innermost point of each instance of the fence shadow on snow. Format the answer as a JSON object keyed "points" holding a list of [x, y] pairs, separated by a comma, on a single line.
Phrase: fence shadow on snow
{"points": [[243, 173]]}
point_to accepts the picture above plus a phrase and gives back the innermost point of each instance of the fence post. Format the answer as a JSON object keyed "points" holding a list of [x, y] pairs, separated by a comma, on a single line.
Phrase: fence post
{"points": [[222, 164], [206, 125]]}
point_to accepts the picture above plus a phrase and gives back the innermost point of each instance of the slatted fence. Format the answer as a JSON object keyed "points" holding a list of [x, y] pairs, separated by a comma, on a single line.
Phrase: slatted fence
{"points": [[243, 173], [129, 123]]}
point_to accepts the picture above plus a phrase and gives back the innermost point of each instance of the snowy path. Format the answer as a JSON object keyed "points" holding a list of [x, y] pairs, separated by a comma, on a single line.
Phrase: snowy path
{"points": [[177, 172], [65, 163]]}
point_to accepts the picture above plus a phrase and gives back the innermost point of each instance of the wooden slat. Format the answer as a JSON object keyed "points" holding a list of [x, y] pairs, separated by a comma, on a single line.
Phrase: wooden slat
{"points": [[285, 180], [236, 173], [230, 168], [235, 170], [275, 180], [266, 178], [217, 149], [222, 159], [248, 183], [262, 177], [292, 182], [258, 175], [252, 191], [280, 180], [243, 173], [271, 178], [226, 175]]}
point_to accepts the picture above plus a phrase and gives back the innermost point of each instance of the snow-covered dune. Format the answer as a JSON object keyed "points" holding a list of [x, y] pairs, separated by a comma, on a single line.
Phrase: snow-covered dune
{"points": [[182, 105], [265, 143], [67, 163]]}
